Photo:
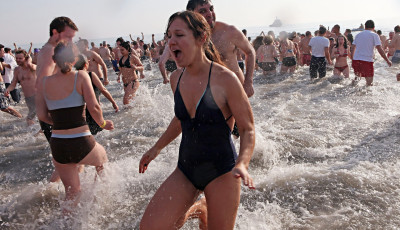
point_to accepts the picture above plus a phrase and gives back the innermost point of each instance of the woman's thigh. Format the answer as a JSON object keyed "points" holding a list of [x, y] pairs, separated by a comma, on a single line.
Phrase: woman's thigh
{"points": [[69, 174], [223, 197], [171, 201], [96, 157]]}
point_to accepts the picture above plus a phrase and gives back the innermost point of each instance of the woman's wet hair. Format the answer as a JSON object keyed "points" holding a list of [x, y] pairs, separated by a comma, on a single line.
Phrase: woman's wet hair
{"points": [[64, 56], [268, 40], [81, 62], [345, 41], [126, 46], [200, 28]]}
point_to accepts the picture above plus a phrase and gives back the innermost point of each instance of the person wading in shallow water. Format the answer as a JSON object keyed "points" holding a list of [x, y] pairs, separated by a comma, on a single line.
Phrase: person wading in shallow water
{"points": [[206, 96], [62, 103]]}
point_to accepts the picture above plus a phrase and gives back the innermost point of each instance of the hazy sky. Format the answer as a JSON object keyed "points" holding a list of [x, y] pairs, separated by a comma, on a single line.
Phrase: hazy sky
{"points": [[28, 20]]}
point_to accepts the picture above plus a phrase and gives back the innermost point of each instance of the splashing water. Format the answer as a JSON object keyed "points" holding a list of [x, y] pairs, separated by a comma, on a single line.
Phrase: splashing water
{"points": [[326, 157]]}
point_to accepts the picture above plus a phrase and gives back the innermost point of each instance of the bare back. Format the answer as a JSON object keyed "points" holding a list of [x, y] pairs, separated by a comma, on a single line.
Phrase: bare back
{"points": [[395, 44], [304, 47]]}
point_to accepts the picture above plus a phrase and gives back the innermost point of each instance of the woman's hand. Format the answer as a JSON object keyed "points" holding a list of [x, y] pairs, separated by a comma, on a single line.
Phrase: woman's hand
{"points": [[240, 171], [147, 158], [118, 79], [109, 125]]}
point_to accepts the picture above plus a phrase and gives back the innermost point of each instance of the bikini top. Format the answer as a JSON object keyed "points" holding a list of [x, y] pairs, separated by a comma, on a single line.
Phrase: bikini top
{"points": [[207, 110], [73, 100], [127, 63], [341, 55]]}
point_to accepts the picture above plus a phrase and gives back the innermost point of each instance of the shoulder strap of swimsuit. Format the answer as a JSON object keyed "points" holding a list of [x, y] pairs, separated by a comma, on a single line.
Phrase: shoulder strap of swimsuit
{"points": [[209, 74], [177, 86], [76, 77]]}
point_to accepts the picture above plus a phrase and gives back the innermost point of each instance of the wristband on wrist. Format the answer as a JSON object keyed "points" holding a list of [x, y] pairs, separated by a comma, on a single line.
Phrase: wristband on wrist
{"points": [[103, 125]]}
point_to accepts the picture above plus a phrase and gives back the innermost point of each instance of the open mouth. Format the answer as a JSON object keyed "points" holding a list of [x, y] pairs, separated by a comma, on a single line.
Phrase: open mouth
{"points": [[177, 53]]}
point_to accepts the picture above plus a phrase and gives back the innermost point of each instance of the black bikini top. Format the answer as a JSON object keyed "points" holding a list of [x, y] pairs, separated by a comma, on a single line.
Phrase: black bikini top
{"points": [[127, 63]]}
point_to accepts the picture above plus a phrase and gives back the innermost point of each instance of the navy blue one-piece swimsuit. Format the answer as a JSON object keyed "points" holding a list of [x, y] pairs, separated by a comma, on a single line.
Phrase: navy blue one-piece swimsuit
{"points": [[206, 151]]}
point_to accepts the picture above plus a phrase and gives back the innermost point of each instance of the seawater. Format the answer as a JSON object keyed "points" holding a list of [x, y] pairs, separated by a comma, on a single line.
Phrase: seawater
{"points": [[326, 157]]}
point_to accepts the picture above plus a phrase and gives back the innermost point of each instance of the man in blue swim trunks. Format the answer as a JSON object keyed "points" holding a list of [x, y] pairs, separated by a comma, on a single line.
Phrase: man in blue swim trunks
{"points": [[395, 44]]}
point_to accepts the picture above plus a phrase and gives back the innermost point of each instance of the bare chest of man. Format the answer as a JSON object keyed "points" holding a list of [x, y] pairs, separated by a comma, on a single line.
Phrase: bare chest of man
{"points": [[224, 46], [25, 76]]}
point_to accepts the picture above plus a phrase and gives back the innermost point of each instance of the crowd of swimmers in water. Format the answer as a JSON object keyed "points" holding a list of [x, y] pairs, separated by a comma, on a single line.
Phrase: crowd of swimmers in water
{"points": [[210, 66]]}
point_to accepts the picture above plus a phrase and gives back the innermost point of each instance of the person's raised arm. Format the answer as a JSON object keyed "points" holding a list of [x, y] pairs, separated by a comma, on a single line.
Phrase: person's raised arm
{"points": [[92, 105], [96, 81], [142, 36], [32, 67], [243, 44], [383, 55], [154, 41], [241, 110], [130, 36], [30, 49], [161, 63]]}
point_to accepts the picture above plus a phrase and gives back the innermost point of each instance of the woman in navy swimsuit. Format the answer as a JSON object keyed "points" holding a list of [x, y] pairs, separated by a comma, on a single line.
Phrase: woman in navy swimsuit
{"points": [[206, 96]]}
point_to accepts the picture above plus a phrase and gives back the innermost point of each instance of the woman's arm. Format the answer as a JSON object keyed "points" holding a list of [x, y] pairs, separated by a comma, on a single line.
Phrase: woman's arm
{"points": [[96, 81], [135, 61], [239, 105]]}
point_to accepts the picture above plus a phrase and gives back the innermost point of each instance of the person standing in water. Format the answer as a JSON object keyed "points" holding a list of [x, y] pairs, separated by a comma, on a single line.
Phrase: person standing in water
{"points": [[341, 51], [25, 74], [83, 64], [363, 53], [128, 64], [63, 98], [287, 51], [207, 95], [227, 39], [320, 54], [266, 55], [395, 45], [305, 50], [61, 29]]}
